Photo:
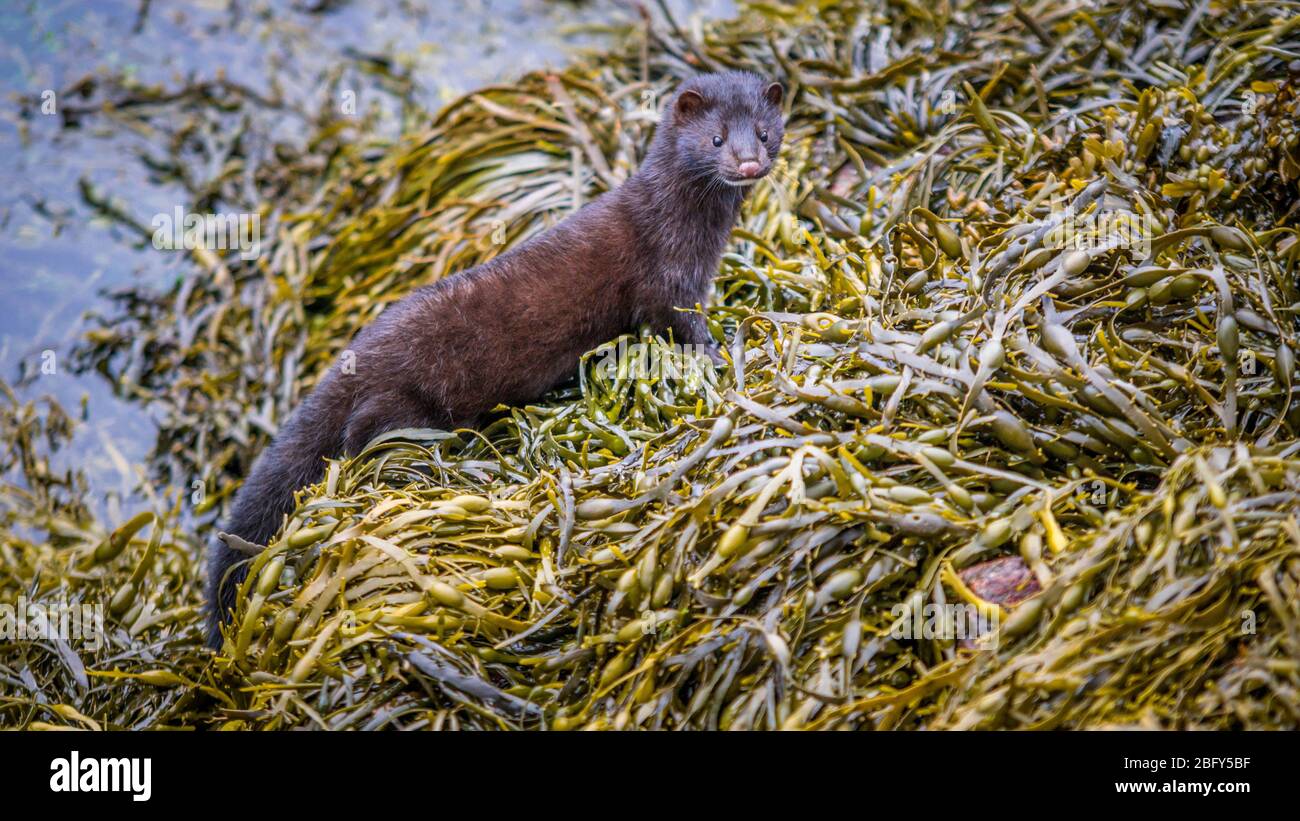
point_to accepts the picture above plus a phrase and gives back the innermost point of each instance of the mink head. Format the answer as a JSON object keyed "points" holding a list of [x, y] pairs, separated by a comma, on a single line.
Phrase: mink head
{"points": [[725, 128]]}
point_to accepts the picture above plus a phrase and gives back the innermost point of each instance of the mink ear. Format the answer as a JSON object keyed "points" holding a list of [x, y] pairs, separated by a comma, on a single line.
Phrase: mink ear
{"points": [[774, 93], [688, 105]]}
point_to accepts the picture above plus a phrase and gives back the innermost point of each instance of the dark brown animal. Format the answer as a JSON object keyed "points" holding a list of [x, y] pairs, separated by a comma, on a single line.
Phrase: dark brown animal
{"points": [[512, 328]]}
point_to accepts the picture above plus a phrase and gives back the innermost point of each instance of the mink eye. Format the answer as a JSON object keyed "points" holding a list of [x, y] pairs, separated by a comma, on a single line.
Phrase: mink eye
{"points": [[717, 142], [762, 136]]}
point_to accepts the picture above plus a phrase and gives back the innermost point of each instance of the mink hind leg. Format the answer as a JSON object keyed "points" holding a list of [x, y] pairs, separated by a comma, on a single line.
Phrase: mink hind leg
{"points": [[293, 460], [380, 413]]}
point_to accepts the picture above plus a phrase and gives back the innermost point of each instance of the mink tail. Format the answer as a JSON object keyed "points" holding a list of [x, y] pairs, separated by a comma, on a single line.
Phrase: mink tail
{"points": [[295, 458]]}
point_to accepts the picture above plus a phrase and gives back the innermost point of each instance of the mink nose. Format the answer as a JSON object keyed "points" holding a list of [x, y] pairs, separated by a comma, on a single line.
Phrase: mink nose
{"points": [[749, 169]]}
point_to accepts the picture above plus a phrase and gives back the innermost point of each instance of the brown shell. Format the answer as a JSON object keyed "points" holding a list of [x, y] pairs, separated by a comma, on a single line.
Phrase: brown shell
{"points": [[1006, 581]]}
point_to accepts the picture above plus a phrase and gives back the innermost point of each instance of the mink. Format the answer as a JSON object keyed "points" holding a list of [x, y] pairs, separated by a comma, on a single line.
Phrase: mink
{"points": [[514, 327]]}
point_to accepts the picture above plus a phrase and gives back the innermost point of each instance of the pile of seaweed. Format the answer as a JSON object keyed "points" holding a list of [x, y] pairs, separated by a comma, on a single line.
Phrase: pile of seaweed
{"points": [[1013, 327]]}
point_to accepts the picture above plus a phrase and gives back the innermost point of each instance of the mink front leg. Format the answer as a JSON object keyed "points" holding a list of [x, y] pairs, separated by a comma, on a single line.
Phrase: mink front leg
{"points": [[691, 328]]}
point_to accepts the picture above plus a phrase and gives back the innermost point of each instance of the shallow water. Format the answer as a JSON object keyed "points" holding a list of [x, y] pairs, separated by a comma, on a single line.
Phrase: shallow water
{"points": [[58, 257]]}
